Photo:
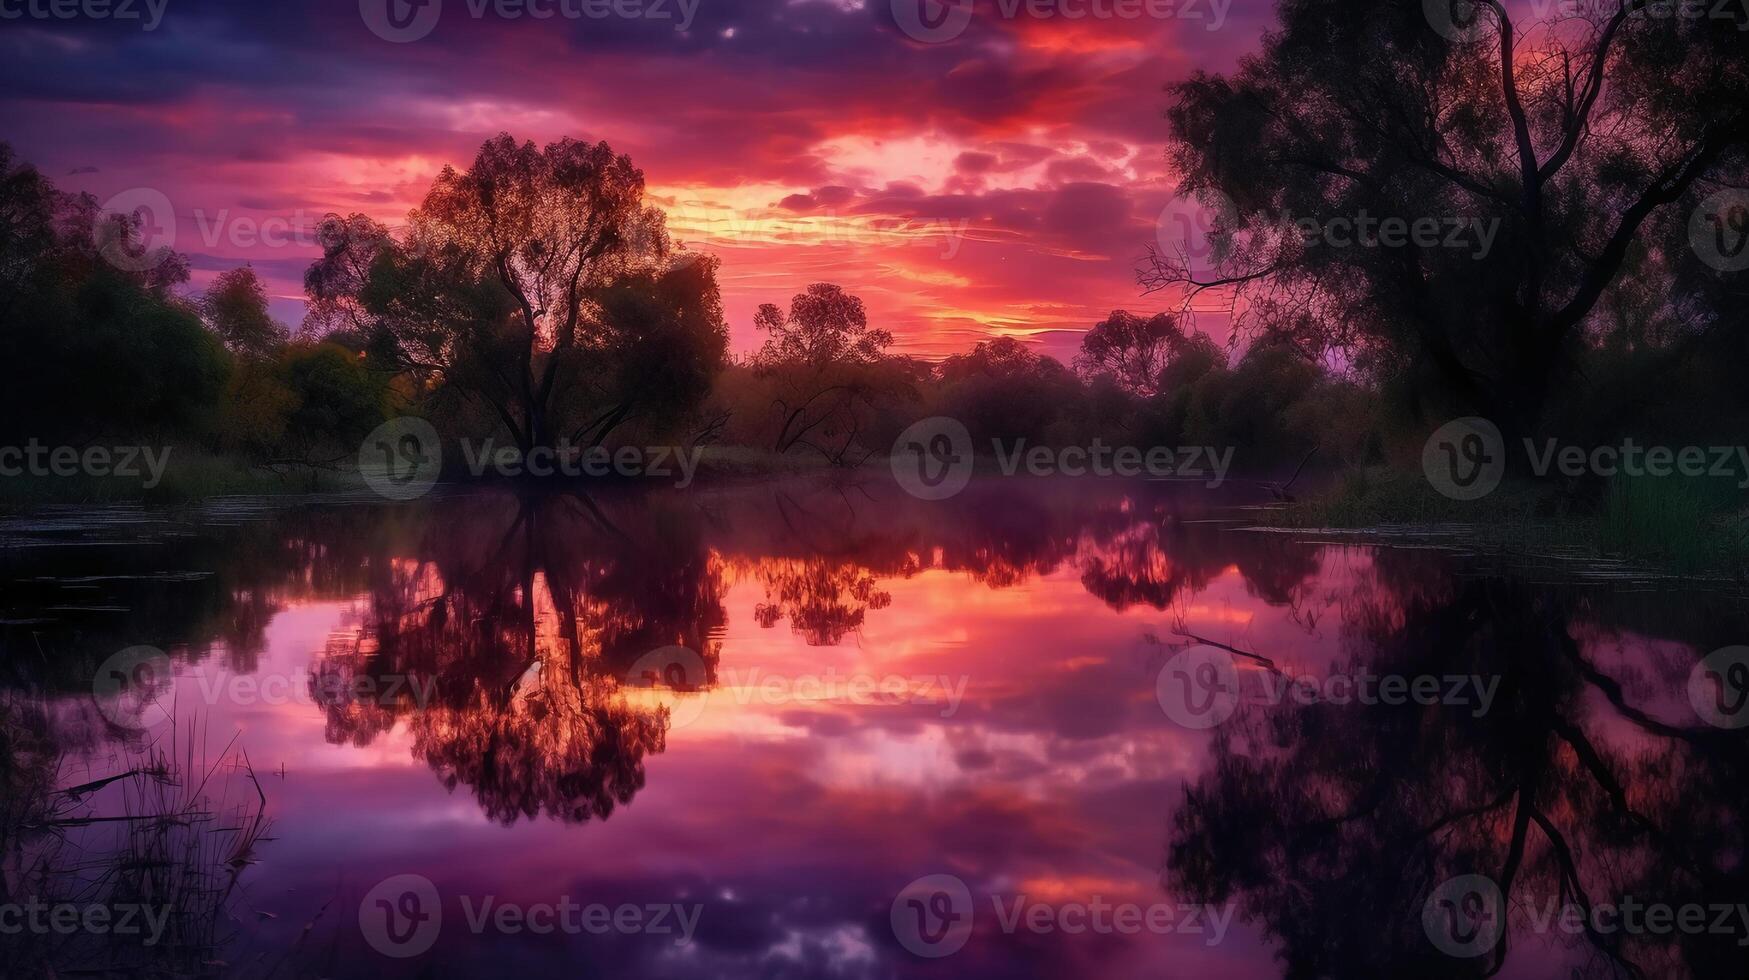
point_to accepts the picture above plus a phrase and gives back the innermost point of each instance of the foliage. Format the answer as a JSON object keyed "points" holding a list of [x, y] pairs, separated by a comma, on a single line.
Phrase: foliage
{"points": [[826, 374], [537, 284], [1584, 143], [235, 305], [1132, 350], [87, 347]]}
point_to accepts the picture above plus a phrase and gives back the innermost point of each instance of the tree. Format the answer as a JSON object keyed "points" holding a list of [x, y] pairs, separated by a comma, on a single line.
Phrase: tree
{"points": [[1568, 787], [1003, 389], [1574, 140], [663, 343], [29, 204], [824, 326], [826, 365], [306, 406], [337, 401], [69, 309], [235, 306], [509, 285], [1131, 350]]}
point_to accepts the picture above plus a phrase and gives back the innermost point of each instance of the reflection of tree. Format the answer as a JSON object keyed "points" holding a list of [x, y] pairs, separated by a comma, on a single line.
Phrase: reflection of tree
{"points": [[822, 599], [1002, 540], [196, 584], [1331, 824], [502, 642], [1275, 566], [822, 562], [1148, 558]]}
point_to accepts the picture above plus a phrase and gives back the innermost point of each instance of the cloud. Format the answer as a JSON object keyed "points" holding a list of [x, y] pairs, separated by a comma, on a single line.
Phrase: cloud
{"points": [[1006, 176]]}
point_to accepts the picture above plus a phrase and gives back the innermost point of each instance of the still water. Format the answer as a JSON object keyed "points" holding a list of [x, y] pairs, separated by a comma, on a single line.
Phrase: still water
{"points": [[821, 729]]}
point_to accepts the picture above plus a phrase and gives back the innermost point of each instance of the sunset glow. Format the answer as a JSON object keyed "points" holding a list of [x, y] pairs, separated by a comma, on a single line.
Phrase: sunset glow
{"points": [[1002, 184]]}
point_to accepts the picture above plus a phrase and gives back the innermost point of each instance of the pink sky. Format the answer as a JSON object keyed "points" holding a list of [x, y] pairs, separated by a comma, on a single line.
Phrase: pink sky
{"points": [[1004, 181]]}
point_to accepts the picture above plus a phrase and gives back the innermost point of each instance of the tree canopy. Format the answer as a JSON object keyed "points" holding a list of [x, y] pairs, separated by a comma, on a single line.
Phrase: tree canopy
{"points": [[1583, 141], [513, 285]]}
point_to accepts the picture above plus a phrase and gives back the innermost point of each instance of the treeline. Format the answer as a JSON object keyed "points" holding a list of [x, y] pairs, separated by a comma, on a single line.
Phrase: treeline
{"points": [[97, 343], [536, 300], [824, 385]]}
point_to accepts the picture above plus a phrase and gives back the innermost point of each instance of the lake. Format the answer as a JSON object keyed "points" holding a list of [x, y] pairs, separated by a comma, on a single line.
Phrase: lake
{"points": [[819, 728]]}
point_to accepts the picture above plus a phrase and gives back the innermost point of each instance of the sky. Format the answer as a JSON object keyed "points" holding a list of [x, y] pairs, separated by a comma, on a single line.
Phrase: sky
{"points": [[996, 169]]}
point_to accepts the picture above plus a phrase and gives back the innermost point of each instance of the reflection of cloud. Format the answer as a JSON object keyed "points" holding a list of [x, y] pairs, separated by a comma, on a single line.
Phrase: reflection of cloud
{"points": [[795, 822]]}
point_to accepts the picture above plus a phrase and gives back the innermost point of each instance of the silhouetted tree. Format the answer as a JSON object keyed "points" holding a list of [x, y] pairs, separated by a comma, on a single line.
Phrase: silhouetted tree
{"points": [[235, 306], [80, 298], [1131, 350], [826, 366], [1004, 389], [511, 287], [1575, 138]]}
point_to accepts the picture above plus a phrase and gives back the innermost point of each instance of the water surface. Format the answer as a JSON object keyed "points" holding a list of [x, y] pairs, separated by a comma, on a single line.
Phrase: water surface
{"points": [[777, 707]]}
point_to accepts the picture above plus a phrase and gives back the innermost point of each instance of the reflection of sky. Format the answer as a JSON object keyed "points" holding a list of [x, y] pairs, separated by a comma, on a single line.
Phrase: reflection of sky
{"points": [[796, 821]]}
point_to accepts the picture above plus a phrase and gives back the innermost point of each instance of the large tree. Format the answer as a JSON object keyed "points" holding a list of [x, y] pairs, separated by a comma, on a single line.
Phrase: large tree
{"points": [[235, 306], [1131, 350], [1585, 141], [81, 298], [513, 285], [826, 366]]}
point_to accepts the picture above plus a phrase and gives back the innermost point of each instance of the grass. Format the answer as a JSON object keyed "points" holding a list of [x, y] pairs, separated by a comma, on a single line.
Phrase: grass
{"points": [[192, 475], [188, 475], [1689, 524], [159, 825], [1684, 525]]}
